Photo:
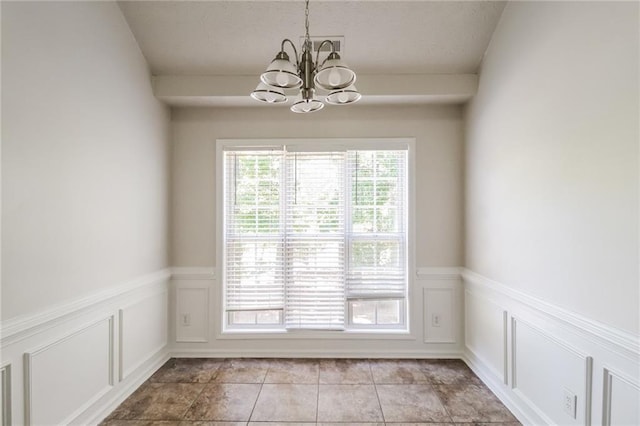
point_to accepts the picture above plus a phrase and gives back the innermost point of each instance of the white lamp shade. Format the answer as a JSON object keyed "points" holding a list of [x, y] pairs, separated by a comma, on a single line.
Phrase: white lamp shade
{"points": [[335, 74], [304, 106], [268, 94], [281, 73], [345, 96]]}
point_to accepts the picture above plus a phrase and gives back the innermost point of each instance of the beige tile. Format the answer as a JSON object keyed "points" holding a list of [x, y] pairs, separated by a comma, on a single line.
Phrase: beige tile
{"points": [[397, 372], [158, 401], [348, 403], [345, 372], [448, 372], [286, 403], [198, 423], [187, 370], [242, 371], [224, 401], [411, 403], [489, 424], [420, 424], [349, 424], [293, 371], [140, 423], [471, 403], [280, 424]]}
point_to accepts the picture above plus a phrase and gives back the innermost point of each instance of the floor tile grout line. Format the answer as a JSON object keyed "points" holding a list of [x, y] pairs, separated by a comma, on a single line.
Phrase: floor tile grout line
{"points": [[256, 401], [259, 392], [318, 392], [433, 385], [441, 402], [182, 418], [375, 387]]}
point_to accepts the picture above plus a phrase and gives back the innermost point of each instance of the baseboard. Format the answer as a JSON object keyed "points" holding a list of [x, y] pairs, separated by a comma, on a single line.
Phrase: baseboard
{"points": [[498, 388], [213, 353]]}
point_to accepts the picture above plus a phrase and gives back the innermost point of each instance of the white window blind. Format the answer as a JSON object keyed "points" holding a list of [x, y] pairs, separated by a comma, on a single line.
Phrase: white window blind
{"points": [[315, 239], [377, 231], [254, 231], [315, 251]]}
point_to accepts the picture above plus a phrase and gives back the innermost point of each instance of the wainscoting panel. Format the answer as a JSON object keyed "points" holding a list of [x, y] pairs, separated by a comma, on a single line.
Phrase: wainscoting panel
{"points": [[192, 313], [621, 400], [66, 376], [538, 380], [556, 358], [143, 331], [5, 395], [60, 366], [439, 319], [486, 333]]}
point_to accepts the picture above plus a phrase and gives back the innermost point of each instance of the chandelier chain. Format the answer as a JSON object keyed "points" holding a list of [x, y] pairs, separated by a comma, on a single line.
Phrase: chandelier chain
{"points": [[306, 21]]}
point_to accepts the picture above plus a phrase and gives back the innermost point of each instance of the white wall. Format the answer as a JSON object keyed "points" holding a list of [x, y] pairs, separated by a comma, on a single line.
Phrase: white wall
{"points": [[85, 156], [551, 285], [438, 238], [552, 158], [85, 190]]}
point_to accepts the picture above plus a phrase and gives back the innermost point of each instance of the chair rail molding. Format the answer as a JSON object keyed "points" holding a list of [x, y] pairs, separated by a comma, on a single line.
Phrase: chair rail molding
{"points": [[193, 273], [21, 327], [603, 334], [439, 273]]}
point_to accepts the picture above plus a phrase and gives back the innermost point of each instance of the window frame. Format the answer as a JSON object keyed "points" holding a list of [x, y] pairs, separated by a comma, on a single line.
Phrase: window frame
{"points": [[403, 330]]}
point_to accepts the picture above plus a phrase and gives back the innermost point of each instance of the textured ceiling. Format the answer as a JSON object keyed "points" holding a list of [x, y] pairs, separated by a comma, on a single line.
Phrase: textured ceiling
{"points": [[381, 37]]}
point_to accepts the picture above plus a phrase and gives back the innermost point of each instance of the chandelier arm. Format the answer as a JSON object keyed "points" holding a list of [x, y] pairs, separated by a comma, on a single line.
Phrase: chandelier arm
{"points": [[333, 49], [295, 51]]}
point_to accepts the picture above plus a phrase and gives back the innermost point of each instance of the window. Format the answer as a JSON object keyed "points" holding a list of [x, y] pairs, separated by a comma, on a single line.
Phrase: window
{"points": [[315, 237]]}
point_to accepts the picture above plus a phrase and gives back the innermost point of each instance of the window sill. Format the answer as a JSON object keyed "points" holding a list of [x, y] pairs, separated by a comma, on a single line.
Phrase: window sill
{"points": [[314, 335]]}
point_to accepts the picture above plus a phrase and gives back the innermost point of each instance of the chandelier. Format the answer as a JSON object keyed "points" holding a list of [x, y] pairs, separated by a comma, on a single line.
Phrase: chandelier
{"points": [[332, 74]]}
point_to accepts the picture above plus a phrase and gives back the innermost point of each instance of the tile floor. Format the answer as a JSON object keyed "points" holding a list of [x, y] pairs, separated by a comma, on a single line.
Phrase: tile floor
{"points": [[190, 392]]}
